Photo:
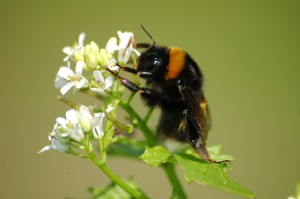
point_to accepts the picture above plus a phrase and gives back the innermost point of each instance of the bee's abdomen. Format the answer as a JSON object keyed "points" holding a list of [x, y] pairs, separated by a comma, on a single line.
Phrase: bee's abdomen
{"points": [[171, 124]]}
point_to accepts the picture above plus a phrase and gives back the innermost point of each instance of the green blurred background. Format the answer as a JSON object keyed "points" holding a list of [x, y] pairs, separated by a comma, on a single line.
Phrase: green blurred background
{"points": [[249, 52]]}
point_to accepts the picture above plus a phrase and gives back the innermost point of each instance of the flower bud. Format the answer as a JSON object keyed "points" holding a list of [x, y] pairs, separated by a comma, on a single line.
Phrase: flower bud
{"points": [[94, 47], [85, 119], [85, 124], [92, 61], [102, 57], [87, 50], [78, 56]]}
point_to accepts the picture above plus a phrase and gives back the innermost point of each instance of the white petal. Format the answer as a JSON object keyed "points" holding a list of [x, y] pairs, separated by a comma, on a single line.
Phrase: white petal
{"points": [[98, 126], [85, 113], [81, 39], [45, 148], [60, 82], [66, 88], [108, 82], [82, 84], [58, 145], [98, 90], [79, 67], [77, 133], [136, 52], [55, 145], [120, 34], [111, 45], [61, 121], [123, 58], [65, 72], [66, 58], [112, 64], [72, 116], [64, 135], [68, 50], [124, 38], [115, 67], [109, 108], [98, 76]]}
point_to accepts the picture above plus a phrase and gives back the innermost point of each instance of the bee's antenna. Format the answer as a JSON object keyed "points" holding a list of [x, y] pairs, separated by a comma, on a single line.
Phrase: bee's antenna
{"points": [[153, 44]]}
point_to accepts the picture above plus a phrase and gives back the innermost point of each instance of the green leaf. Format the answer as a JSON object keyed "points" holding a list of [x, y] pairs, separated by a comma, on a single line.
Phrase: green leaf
{"points": [[112, 191], [215, 153], [214, 175], [155, 156], [127, 147], [196, 169]]}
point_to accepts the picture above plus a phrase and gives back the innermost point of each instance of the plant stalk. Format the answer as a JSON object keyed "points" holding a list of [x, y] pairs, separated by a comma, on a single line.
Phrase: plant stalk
{"points": [[116, 179], [141, 124], [172, 176]]}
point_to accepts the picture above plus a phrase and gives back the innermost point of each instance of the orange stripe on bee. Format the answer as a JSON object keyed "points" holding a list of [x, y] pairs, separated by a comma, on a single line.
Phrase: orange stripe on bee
{"points": [[176, 63]]}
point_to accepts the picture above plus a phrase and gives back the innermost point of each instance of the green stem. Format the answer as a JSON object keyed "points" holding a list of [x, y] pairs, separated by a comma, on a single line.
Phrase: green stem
{"points": [[140, 122], [130, 97], [168, 167], [170, 171], [116, 179], [102, 151], [147, 117]]}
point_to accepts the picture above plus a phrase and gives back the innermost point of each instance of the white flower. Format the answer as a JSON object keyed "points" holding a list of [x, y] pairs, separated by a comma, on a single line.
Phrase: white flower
{"points": [[71, 50], [85, 117], [65, 130], [66, 78], [101, 84], [112, 65], [97, 122], [56, 144], [70, 127], [126, 47], [112, 45]]}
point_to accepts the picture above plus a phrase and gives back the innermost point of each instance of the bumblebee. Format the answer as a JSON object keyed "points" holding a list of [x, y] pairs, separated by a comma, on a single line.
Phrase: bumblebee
{"points": [[174, 83]]}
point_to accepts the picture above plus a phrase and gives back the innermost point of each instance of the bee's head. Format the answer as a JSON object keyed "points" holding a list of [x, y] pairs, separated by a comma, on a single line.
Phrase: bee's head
{"points": [[154, 60]]}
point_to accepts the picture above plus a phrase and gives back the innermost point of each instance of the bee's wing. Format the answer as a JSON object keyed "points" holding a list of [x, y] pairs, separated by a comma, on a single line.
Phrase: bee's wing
{"points": [[206, 114], [197, 110], [197, 122]]}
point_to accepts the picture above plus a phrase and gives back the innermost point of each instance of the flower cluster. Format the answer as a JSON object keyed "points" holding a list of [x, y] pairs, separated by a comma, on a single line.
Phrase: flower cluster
{"points": [[75, 127], [91, 58], [85, 70]]}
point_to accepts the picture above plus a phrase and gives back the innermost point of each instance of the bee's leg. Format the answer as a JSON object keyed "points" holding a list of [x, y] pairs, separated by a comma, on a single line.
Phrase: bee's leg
{"points": [[141, 74], [196, 140], [144, 92]]}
